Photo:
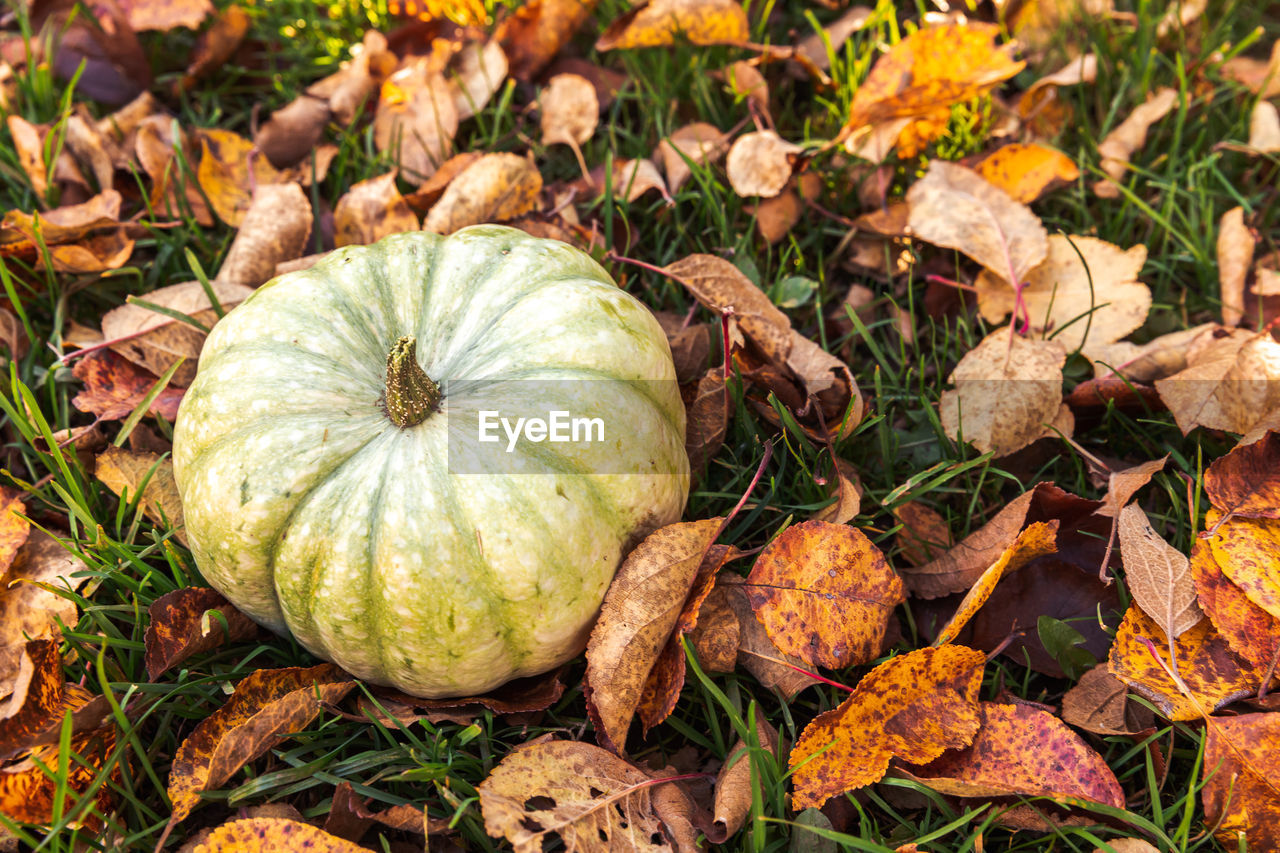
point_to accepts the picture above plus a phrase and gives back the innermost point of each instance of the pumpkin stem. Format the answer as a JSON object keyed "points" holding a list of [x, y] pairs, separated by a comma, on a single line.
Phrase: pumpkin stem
{"points": [[411, 395]]}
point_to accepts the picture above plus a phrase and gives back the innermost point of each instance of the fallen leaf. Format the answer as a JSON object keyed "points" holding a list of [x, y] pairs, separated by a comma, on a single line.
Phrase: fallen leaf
{"points": [[662, 23], [1158, 575], [590, 798], [569, 110], [229, 171], [698, 143], [371, 210], [1246, 481], [720, 286], [633, 178], [293, 131], [154, 340], [708, 414], [736, 782], [1007, 389], [416, 120], [1259, 76], [1099, 703], [1240, 794], [640, 611], [1024, 752], [267, 706], [29, 610], [14, 526], [717, 636], [533, 34], [824, 593], [265, 834], [932, 68], [215, 46], [13, 335], [34, 794], [1122, 485], [1129, 136], [30, 150], [847, 491], [1034, 541], [114, 387], [495, 188], [775, 217], [1251, 632], [746, 82], [835, 34], [348, 89], [923, 532], [828, 380], [1264, 128], [771, 666], [955, 208], [165, 15], [275, 228], [189, 622], [1229, 383], [124, 472], [759, 163], [1248, 552], [477, 72], [1026, 171], [1205, 662], [520, 696], [913, 707], [1127, 845], [1235, 256], [101, 53], [38, 700]]}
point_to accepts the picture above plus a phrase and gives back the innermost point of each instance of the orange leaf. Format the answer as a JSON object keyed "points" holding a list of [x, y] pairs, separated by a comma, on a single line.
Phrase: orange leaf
{"points": [[1248, 550], [28, 792], [1252, 633], [267, 706], [416, 118], [720, 286], [113, 388], [661, 23], [182, 624], [14, 528], [913, 707], [494, 188], [1026, 171], [1035, 541], [1025, 752], [1241, 796], [228, 175], [29, 610], [1246, 482], [266, 834], [371, 210], [1205, 662], [534, 33], [824, 593]]}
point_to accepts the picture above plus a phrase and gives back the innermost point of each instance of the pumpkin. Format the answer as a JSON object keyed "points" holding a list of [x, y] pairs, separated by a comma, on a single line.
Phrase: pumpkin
{"points": [[332, 486]]}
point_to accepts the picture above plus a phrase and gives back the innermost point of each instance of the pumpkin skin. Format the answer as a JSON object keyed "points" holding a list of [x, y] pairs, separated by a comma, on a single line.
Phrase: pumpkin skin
{"points": [[314, 513]]}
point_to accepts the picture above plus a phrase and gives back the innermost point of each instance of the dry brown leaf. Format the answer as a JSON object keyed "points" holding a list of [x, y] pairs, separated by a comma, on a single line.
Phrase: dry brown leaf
{"points": [[30, 150], [1129, 136], [1162, 356], [1125, 483], [124, 473], [90, 147], [371, 210], [589, 797], [834, 34], [720, 286], [1232, 379], [293, 131], [1235, 256], [265, 834], [181, 624], [824, 593], [1158, 575], [1262, 77], [1085, 293], [416, 120], [114, 387], [1099, 703], [717, 636], [1264, 128], [954, 207], [745, 81], [165, 15], [1007, 390], [633, 178], [661, 23], [14, 526], [772, 667], [494, 188], [698, 143], [1251, 632], [536, 31], [215, 46], [735, 782], [477, 72], [40, 793], [1127, 845], [1240, 794], [759, 163], [13, 336], [1026, 171], [847, 491], [640, 611], [275, 228], [27, 610], [348, 89], [569, 110], [708, 416], [923, 535], [155, 340]]}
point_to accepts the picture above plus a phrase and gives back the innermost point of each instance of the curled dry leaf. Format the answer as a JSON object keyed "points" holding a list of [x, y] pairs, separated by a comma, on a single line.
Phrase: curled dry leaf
{"points": [[720, 286], [275, 228], [1206, 664], [771, 666], [1246, 481], [47, 782], [114, 387], [264, 834], [1240, 796], [28, 611], [708, 416], [348, 89], [1007, 390], [13, 336], [1129, 136], [1037, 540], [932, 68], [717, 636], [1260, 76], [640, 611], [14, 526], [759, 163], [1235, 256], [824, 593], [1025, 752], [847, 491], [1158, 575], [533, 34], [1099, 703], [1027, 170], [736, 781], [267, 706], [416, 120], [1264, 128], [215, 46], [1251, 632], [1084, 293], [955, 208], [1124, 484], [585, 795], [913, 707], [744, 80], [569, 110], [229, 171], [835, 34], [494, 188], [661, 23], [477, 72], [1230, 382], [633, 178], [698, 143], [371, 210], [126, 472], [33, 713], [155, 340], [30, 150], [293, 131], [189, 622]]}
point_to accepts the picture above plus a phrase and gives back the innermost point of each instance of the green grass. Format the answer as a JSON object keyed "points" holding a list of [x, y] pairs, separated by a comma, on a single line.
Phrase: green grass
{"points": [[1183, 182]]}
